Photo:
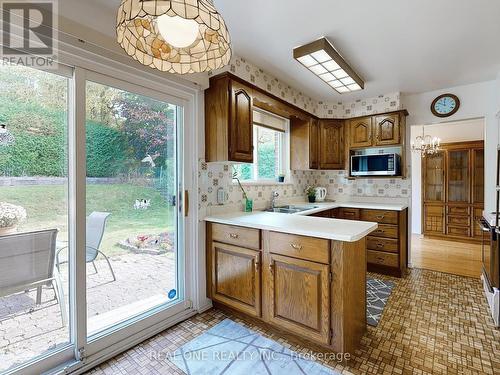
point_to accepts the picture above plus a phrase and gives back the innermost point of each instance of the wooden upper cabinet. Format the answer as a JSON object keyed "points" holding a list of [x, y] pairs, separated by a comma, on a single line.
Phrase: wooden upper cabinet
{"points": [[478, 176], [297, 296], [241, 124], [331, 144], [458, 176], [360, 130], [304, 137], [314, 144], [236, 277], [228, 121], [387, 130], [433, 181]]}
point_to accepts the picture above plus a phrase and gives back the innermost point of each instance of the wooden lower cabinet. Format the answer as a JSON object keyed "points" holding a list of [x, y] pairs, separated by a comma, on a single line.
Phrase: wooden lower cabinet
{"points": [[297, 296], [236, 277], [311, 288]]}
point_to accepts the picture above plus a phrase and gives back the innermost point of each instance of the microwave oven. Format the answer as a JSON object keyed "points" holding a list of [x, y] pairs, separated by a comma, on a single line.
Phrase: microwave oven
{"points": [[376, 165]]}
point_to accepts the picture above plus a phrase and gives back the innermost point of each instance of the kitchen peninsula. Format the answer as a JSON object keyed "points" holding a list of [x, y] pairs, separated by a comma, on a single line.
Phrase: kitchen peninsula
{"points": [[304, 275]]}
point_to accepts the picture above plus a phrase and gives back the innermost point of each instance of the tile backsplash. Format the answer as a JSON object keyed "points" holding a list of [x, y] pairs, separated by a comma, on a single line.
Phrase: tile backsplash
{"points": [[215, 175]]}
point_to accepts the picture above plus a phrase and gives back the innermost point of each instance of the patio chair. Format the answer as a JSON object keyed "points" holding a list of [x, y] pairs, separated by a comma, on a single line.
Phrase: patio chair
{"points": [[96, 223], [27, 262]]}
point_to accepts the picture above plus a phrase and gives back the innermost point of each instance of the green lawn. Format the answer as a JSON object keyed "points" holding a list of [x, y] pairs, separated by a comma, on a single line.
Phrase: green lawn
{"points": [[47, 207]]}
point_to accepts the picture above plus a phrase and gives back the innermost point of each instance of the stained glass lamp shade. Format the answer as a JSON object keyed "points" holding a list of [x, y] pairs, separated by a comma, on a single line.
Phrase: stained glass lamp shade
{"points": [[176, 36]]}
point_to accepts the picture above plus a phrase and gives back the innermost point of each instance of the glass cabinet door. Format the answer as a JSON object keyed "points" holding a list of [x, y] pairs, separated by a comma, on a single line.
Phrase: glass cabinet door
{"points": [[478, 176], [433, 169], [458, 176]]}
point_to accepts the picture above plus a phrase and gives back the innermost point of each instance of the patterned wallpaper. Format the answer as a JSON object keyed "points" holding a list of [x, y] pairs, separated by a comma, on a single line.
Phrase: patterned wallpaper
{"points": [[251, 73], [214, 175], [360, 107]]}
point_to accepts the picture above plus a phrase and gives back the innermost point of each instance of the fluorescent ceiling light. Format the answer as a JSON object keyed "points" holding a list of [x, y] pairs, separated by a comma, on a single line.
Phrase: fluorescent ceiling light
{"points": [[307, 60], [318, 69], [321, 56], [330, 65], [347, 81], [354, 87], [335, 84], [322, 59], [327, 77], [342, 89]]}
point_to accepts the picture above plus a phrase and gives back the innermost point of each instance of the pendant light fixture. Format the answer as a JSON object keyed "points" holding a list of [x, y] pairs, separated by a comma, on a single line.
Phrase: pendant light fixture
{"points": [[426, 145], [175, 36]]}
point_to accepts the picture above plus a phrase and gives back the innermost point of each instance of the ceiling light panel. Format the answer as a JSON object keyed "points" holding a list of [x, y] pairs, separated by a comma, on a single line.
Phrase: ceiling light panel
{"points": [[321, 58]]}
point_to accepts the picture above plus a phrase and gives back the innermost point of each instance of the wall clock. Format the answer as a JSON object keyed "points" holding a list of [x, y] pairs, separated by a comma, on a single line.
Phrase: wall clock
{"points": [[445, 105]]}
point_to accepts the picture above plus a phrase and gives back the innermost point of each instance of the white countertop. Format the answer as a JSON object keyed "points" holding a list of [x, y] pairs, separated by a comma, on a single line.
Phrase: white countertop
{"points": [[322, 206], [298, 223]]}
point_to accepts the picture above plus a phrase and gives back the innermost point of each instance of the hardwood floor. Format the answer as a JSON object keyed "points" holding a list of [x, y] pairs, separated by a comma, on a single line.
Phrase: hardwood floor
{"points": [[458, 258]]}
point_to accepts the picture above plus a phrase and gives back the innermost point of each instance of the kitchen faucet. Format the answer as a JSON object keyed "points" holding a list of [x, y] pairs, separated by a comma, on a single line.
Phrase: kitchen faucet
{"points": [[274, 195]]}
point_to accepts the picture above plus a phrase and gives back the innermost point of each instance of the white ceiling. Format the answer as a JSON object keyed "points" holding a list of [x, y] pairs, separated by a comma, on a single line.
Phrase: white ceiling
{"points": [[395, 45]]}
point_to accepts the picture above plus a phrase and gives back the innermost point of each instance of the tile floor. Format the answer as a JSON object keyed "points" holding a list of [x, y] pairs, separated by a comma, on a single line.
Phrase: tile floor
{"points": [[434, 323], [27, 331]]}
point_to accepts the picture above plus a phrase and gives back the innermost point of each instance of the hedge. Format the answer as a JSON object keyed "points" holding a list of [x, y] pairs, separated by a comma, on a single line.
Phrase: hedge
{"points": [[46, 155]]}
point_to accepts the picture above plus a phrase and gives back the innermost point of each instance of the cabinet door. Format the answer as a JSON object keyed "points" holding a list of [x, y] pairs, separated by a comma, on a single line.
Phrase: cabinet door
{"points": [[386, 130], [360, 131], [331, 145], [478, 176], [313, 144], [433, 177], [297, 296], [241, 124], [236, 277], [458, 176], [433, 219]]}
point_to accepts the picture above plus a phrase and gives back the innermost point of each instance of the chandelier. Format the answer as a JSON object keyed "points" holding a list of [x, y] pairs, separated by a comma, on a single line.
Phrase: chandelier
{"points": [[175, 36], [5, 137], [426, 145]]}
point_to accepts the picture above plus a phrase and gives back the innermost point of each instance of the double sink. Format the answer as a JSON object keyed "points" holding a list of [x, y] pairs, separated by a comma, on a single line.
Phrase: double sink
{"points": [[290, 209]]}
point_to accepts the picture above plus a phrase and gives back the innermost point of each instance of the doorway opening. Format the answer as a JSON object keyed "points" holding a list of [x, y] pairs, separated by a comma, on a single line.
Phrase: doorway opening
{"points": [[448, 199]]}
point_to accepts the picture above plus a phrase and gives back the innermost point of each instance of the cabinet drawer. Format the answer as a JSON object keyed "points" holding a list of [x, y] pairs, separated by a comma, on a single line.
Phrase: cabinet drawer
{"points": [[246, 237], [382, 244], [459, 231], [462, 221], [386, 259], [380, 216], [302, 247], [458, 210], [349, 213], [386, 230]]}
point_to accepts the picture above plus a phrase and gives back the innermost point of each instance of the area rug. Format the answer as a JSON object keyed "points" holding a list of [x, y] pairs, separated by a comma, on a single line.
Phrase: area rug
{"points": [[377, 294], [230, 348]]}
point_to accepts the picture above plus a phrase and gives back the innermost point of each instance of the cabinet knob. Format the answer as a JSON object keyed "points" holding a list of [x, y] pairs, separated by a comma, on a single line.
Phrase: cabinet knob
{"points": [[233, 235], [296, 246], [257, 265], [271, 267]]}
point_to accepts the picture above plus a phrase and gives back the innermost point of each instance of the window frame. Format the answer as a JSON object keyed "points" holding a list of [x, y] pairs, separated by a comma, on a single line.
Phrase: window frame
{"points": [[283, 162]]}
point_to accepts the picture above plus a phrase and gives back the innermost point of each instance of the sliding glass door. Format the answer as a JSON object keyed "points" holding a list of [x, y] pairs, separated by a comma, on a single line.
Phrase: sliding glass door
{"points": [[133, 222], [35, 294], [92, 217]]}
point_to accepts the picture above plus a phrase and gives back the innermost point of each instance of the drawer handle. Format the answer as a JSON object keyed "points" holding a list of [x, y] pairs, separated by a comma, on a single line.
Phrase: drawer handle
{"points": [[379, 231], [257, 265], [379, 217], [271, 267], [296, 246], [380, 245], [233, 235]]}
